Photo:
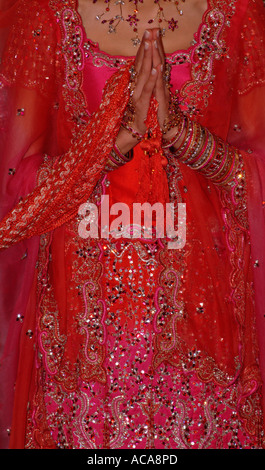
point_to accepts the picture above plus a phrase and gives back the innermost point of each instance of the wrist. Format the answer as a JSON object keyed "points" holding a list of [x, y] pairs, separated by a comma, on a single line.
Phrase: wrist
{"points": [[126, 140], [174, 138], [118, 157]]}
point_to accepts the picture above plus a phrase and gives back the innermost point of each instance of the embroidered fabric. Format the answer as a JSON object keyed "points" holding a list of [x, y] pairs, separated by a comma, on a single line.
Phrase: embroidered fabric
{"points": [[117, 324]]}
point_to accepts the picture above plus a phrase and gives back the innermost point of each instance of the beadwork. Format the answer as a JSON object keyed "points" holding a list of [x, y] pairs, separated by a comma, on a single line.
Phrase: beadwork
{"points": [[132, 19]]}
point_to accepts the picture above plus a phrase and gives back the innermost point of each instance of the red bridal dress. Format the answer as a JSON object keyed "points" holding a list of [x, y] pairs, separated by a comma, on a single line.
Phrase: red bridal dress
{"points": [[114, 342]]}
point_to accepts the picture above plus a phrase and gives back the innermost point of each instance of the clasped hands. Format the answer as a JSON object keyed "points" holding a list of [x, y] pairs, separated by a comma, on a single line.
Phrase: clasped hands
{"points": [[150, 68]]}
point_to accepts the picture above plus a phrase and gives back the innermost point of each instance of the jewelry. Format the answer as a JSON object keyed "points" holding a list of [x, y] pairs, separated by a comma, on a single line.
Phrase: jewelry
{"points": [[204, 152], [132, 131], [114, 21], [187, 141], [117, 158], [122, 158], [170, 144]]}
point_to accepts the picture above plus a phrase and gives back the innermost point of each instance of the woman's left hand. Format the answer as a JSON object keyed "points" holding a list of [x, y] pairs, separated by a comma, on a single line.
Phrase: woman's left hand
{"points": [[161, 91]]}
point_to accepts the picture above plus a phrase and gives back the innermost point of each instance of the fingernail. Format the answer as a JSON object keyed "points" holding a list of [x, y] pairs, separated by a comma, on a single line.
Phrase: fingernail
{"points": [[158, 33], [155, 43], [146, 45], [153, 72], [146, 34]]}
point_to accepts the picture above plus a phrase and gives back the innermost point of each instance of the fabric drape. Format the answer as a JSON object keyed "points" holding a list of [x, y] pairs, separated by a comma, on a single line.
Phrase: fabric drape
{"points": [[53, 155]]}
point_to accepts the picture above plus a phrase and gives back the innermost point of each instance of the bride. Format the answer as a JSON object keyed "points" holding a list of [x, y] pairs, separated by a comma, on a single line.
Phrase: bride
{"points": [[113, 342]]}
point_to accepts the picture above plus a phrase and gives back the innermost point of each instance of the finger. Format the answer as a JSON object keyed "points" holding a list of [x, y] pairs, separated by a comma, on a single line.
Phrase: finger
{"points": [[145, 70], [157, 59], [158, 50], [140, 53], [148, 88], [160, 91], [162, 96], [143, 103]]}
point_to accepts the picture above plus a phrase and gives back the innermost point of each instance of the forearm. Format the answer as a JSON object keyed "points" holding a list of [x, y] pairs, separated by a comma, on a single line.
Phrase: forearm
{"points": [[122, 151]]}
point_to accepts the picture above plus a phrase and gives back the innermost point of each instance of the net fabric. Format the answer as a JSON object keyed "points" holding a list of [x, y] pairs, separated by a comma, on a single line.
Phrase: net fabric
{"points": [[251, 61], [212, 117], [26, 118], [25, 76], [73, 176], [247, 132], [30, 106], [32, 30]]}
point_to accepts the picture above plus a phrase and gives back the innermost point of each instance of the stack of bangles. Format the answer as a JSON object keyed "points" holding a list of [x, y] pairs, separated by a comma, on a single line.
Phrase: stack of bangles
{"points": [[117, 158], [199, 149], [202, 151]]}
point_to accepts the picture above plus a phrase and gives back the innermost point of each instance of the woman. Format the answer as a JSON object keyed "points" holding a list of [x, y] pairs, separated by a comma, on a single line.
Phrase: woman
{"points": [[116, 341]]}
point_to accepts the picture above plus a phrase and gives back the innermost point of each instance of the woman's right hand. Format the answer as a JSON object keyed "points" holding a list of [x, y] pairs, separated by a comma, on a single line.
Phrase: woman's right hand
{"points": [[145, 81]]}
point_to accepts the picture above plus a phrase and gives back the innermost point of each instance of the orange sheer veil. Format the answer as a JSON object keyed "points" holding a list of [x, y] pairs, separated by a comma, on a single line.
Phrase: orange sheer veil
{"points": [[34, 124]]}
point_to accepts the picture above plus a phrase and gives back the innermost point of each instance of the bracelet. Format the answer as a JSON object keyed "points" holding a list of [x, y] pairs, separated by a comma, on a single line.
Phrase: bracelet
{"points": [[171, 121], [123, 158], [204, 152], [207, 152], [117, 158], [195, 148], [227, 170], [219, 162], [176, 137], [132, 131], [205, 164], [182, 152]]}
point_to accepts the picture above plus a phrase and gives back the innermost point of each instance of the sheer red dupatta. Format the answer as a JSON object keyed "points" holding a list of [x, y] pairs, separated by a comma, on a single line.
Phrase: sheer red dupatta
{"points": [[229, 95], [24, 113], [246, 131], [226, 99], [29, 112], [235, 112]]}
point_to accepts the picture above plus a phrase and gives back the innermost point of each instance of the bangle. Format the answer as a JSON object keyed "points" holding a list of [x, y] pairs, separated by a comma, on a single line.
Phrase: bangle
{"points": [[204, 152], [218, 164], [132, 131], [117, 158], [182, 152], [176, 137], [194, 149], [123, 158], [207, 152], [226, 171]]}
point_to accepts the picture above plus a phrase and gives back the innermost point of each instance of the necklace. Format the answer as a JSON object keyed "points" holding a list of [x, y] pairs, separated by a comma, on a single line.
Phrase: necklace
{"points": [[132, 19]]}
